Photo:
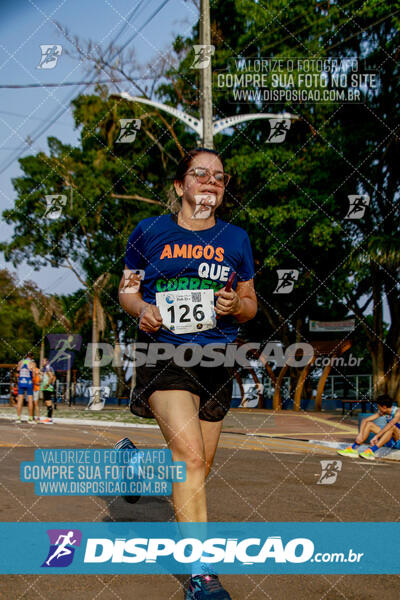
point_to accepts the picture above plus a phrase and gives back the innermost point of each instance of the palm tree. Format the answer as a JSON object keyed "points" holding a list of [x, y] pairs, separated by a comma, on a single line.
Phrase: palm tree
{"points": [[91, 310], [44, 309], [98, 327], [377, 265]]}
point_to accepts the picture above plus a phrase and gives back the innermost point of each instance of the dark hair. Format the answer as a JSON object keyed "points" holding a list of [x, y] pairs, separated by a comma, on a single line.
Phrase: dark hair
{"points": [[384, 400], [174, 204], [29, 355], [184, 163]]}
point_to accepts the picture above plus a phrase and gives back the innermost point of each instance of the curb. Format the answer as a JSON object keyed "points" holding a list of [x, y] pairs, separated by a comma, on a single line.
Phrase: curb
{"points": [[88, 422], [385, 453]]}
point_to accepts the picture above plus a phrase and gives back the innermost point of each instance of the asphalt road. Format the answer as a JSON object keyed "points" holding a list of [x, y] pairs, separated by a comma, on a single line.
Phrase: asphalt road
{"points": [[255, 478]]}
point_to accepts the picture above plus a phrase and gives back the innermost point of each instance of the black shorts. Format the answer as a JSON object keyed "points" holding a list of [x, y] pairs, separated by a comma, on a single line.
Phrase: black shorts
{"points": [[48, 395], [212, 384]]}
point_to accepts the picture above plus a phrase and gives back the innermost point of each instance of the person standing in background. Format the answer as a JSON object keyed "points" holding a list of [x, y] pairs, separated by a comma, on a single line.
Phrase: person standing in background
{"points": [[36, 393], [25, 370], [47, 387]]}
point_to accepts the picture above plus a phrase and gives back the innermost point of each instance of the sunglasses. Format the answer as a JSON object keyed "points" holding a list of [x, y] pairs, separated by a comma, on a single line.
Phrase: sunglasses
{"points": [[203, 175]]}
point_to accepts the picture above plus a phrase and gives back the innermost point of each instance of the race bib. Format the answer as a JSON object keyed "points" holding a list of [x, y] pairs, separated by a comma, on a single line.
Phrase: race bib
{"points": [[187, 311]]}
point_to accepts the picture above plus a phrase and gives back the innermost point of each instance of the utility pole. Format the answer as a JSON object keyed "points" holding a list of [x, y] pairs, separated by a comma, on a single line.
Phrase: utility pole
{"points": [[205, 127], [206, 109]]}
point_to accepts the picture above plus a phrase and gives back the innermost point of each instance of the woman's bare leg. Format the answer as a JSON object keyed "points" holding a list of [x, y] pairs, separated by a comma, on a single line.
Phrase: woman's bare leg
{"points": [[210, 432], [176, 412]]}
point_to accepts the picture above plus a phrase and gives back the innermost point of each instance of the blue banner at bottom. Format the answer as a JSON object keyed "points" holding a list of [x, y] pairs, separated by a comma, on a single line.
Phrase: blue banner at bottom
{"points": [[235, 548]]}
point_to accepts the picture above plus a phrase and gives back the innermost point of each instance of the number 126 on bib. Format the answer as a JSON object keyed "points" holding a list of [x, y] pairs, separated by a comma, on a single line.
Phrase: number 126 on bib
{"points": [[187, 311]]}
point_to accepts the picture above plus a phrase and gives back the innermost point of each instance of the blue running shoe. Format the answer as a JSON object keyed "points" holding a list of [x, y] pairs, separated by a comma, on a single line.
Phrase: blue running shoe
{"points": [[206, 587], [126, 444]]}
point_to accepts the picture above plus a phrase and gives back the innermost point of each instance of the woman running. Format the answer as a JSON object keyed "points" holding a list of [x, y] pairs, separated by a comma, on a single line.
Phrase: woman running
{"points": [[185, 260]]}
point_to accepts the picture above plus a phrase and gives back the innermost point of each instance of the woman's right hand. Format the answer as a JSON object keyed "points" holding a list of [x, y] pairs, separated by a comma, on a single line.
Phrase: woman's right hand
{"points": [[150, 319]]}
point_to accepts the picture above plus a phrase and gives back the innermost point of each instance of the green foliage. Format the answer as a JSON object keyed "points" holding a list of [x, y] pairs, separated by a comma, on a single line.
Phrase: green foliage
{"points": [[18, 332], [290, 197]]}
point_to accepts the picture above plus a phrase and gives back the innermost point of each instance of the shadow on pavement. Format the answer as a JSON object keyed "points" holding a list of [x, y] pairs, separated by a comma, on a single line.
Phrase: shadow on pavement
{"points": [[148, 509]]}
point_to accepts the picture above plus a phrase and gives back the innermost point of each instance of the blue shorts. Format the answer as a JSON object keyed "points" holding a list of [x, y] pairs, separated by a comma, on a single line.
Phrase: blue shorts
{"points": [[392, 444], [26, 387]]}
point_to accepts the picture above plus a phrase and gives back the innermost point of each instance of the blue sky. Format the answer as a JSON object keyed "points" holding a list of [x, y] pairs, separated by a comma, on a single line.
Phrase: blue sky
{"points": [[24, 26]]}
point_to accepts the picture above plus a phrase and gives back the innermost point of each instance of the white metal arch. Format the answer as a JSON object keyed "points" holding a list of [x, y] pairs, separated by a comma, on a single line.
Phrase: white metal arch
{"points": [[230, 121], [192, 122], [197, 124]]}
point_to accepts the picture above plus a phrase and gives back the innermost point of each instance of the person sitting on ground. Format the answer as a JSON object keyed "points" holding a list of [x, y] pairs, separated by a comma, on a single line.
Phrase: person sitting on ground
{"points": [[388, 436]]}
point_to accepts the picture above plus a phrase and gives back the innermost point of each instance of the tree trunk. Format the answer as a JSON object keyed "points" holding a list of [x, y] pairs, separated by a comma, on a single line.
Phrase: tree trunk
{"points": [[41, 357], [118, 368], [377, 345], [392, 347], [67, 398], [393, 384], [73, 390], [378, 372], [96, 381], [121, 390], [133, 378], [42, 348]]}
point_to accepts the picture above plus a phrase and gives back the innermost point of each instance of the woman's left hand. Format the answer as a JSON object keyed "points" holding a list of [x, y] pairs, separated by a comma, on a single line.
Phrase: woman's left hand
{"points": [[228, 303]]}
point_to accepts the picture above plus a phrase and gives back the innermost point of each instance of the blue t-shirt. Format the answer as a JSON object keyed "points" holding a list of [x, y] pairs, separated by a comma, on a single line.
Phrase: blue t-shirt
{"points": [[25, 373], [392, 414], [175, 258]]}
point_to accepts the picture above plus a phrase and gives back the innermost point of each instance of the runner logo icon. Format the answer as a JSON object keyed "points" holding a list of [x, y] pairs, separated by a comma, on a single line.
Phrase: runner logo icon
{"points": [[330, 470], [62, 349], [202, 55], [278, 130], [286, 280], [55, 204], [62, 547], [357, 206], [50, 55], [128, 131]]}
